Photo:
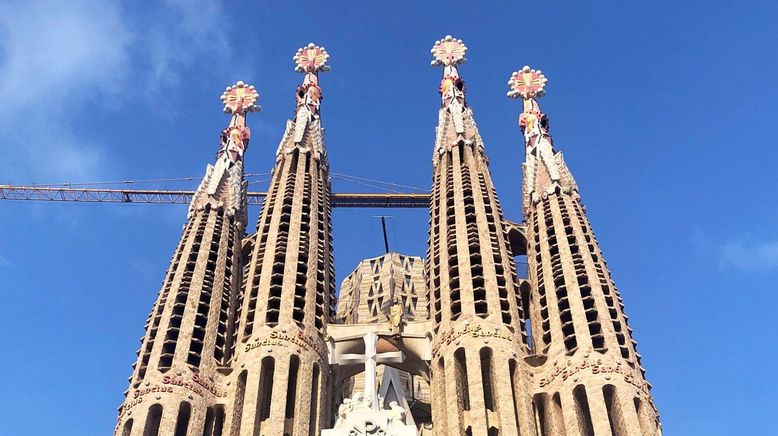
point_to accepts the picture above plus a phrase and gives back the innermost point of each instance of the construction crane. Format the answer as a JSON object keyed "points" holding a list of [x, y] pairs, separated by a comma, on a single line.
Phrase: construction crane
{"points": [[100, 195]]}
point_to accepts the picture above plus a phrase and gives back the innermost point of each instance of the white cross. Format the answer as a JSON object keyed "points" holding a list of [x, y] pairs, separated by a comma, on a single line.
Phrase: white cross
{"points": [[370, 359]]}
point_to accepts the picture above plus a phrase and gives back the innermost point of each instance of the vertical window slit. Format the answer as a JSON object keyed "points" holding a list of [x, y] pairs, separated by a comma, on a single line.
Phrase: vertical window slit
{"points": [[460, 369], [314, 412], [512, 369], [582, 411], [615, 417], [486, 377], [291, 387], [209, 418], [267, 368], [127, 428], [182, 422], [153, 419]]}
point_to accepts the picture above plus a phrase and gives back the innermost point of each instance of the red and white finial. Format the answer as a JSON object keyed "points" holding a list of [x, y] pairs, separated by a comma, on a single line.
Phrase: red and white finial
{"points": [[527, 83], [240, 98], [448, 51], [311, 59]]}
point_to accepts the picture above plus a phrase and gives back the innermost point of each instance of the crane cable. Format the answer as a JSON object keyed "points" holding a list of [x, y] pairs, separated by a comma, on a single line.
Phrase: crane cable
{"points": [[130, 182], [355, 179], [262, 178]]}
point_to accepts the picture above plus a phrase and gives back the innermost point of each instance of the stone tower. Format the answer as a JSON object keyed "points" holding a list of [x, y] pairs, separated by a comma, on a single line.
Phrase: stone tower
{"points": [[479, 382], [588, 376], [288, 295], [175, 386], [244, 340]]}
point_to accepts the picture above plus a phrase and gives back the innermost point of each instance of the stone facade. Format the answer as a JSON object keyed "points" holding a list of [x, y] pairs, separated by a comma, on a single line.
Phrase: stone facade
{"points": [[366, 296], [245, 339]]}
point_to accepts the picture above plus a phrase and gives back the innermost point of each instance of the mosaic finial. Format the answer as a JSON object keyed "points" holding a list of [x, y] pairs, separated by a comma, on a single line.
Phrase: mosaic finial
{"points": [[527, 83], [311, 59], [240, 98], [448, 51]]}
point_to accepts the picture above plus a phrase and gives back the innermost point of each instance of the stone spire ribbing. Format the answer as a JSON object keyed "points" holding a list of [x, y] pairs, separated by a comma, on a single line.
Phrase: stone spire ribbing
{"points": [[479, 337], [288, 294], [589, 379], [177, 382]]}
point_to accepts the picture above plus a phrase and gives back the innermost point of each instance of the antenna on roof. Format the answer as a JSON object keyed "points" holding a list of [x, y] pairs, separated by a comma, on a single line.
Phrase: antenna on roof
{"points": [[383, 219]]}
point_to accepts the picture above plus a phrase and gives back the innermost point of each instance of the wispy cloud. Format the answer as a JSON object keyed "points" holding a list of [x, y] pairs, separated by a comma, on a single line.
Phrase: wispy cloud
{"points": [[189, 29], [58, 59], [750, 255]]}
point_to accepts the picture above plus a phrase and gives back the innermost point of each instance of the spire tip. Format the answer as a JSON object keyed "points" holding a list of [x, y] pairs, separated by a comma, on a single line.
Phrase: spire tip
{"points": [[311, 59], [240, 98], [448, 51], [527, 83]]}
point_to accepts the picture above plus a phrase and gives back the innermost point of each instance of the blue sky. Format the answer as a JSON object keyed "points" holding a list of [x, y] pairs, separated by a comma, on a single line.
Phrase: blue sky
{"points": [[665, 111]]}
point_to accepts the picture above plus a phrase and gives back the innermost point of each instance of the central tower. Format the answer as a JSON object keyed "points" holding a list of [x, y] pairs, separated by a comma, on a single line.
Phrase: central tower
{"points": [[478, 325], [289, 281]]}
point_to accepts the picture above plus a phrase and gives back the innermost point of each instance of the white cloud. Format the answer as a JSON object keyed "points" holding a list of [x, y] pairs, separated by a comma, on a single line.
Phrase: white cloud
{"points": [[52, 49], [60, 58], [750, 255], [54, 58], [189, 29]]}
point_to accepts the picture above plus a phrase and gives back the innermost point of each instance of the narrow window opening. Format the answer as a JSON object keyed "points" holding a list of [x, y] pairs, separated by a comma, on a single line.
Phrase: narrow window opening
{"points": [[582, 411], [182, 422], [127, 428], [291, 387], [642, 419], [486, 377], [463, 394], [615, 417], [153, 420], [265, 388], [208, 427], [218, 422], [526, 309], [314, 412], [539, 407]]}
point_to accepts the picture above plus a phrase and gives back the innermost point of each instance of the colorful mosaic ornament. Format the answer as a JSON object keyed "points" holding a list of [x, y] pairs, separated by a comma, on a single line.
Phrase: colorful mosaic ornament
{"points": [[448, 51], [240, 98], [311, 59], [527, 83]]}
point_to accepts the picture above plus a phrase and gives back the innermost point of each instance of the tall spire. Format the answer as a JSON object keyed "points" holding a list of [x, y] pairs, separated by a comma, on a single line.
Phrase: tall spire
{"points": [[448, 53], [309, 60], [544, 168], [576, 314], [238, 100], [471, 276], [288, 295], [190, 331]]}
